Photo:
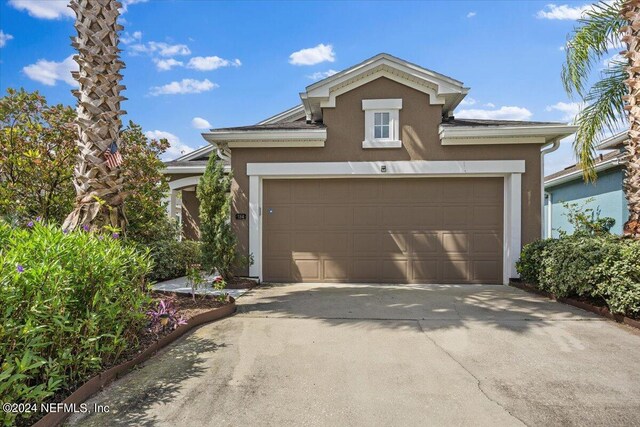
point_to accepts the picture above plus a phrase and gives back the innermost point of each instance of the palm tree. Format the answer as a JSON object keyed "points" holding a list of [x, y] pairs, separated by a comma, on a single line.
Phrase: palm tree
{"points": [[611, 101], [97, 177]]}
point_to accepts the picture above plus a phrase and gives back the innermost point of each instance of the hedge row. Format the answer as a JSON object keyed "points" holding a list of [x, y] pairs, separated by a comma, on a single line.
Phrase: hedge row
{"points": [[604, 267]]}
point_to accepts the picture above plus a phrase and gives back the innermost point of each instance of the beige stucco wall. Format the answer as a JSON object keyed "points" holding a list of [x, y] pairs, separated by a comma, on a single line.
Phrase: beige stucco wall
{"points": [[190, 215], [419, 123]]}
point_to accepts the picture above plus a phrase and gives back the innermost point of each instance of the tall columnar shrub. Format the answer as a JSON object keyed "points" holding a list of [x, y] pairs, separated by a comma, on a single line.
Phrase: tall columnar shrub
{"points": [[218, 239], [71, 304]]}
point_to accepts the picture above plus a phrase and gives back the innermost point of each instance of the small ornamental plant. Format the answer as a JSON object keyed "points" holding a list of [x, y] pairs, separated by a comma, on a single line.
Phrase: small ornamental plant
{"points": [[219, 284], [194, 278], [164, 318]]}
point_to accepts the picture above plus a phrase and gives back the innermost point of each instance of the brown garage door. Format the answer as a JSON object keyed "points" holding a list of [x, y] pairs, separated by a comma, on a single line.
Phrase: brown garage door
{"points": [[393, 230]]}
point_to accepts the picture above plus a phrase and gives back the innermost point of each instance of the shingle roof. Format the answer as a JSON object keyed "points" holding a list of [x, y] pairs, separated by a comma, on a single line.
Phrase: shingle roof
{"points": [[574, 168], [453, 122], [297, 125], [186, 163]]}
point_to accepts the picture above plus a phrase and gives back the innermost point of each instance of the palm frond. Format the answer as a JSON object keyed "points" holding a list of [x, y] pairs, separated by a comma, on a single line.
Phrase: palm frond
{"points": [[599, 30], [604, 112]]}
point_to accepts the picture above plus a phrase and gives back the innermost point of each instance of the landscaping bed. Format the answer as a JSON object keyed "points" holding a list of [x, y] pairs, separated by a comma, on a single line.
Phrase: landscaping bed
{"points": [[204, 309], [592, 305]]}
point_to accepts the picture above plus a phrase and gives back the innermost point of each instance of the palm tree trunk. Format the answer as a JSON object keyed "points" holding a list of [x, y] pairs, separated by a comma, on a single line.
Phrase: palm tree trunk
{"points": [[631, 36], [99, 200]]}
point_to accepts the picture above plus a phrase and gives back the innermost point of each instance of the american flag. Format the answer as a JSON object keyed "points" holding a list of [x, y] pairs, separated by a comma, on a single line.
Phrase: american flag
{"points": [[112, 156]]}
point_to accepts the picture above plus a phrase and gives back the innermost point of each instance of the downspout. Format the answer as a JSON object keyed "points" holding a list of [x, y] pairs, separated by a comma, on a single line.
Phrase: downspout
{"points": [[555, 144], [549, 197]]}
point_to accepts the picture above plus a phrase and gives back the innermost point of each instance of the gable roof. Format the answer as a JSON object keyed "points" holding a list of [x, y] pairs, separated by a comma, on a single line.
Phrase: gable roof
{"points": [[442, 89]]}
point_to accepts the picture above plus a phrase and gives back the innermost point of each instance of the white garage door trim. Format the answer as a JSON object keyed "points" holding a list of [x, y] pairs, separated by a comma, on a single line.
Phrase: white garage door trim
{"points": [[510, 170]]}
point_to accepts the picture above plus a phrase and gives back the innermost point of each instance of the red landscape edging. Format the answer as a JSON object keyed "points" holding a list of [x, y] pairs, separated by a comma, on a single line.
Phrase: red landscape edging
{"points": [[95, 384], [601, 311]]}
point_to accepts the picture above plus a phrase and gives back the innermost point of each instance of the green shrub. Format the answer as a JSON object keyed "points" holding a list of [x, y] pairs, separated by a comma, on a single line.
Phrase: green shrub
{"points": [[171, 257], [617, 278], [603, 267], [529, 265], [70, 304], [567, 265], [218, 239]]}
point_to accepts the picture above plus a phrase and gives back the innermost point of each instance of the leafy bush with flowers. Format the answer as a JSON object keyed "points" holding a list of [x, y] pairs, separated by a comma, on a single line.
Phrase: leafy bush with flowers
{"points": [[71, 304]]}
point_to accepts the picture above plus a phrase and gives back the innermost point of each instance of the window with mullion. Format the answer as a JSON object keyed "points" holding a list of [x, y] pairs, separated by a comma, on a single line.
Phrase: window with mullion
{"points": [[381, 125]]}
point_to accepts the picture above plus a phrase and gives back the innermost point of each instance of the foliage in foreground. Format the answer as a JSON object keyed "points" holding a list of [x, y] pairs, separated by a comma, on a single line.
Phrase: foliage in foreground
{"points": [[71, 303], [37, 155]]}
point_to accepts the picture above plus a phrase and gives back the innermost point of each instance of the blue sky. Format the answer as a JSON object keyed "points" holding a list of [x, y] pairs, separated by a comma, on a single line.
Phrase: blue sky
{"points": [[227, 64]]}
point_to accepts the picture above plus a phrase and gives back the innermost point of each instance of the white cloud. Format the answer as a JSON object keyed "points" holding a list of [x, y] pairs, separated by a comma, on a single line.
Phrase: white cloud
{"points": [[502, 113], [4, 38], [44, 9], [208, 63], [200, 123], [613, 60], [127, 3], [182, 87], [167, 64], [468, 101], [490, 105], [321, 74], [563, 12], [176, 149], [313, 55], [49, 72], [161, 48], [471, 14], [569, 109], [127, 38]]}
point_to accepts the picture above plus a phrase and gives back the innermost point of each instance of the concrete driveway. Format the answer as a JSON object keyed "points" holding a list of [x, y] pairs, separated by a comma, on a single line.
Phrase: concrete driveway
{"points": [[364, 355]]}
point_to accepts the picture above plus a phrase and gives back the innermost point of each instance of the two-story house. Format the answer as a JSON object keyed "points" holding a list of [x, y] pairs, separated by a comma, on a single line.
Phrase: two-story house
{"points": [[372, 179]]}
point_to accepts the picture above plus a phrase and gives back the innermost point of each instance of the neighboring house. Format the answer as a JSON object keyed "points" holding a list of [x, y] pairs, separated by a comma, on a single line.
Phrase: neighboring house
{"points": [[606, 194], [372, 179]]}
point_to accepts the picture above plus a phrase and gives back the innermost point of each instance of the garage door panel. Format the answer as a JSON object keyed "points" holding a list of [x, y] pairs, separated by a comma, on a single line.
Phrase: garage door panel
{"points": [[336, 243], [278, 244], [393, 242], [337, 216], [425, 216], [455, 243], [455, 217], [368, 270], [433, 230], [395, 270], [425, 243]]}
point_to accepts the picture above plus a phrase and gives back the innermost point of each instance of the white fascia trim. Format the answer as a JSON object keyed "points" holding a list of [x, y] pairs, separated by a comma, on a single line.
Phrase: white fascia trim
{"points": [[172, 170], [609, 164], [408, 168], [276, 144], [551, 131], [495, 141], [510, 170], [291, 114], [267, 135]]}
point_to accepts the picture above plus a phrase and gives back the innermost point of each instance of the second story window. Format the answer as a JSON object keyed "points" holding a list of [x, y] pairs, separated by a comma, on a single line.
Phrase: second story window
{"points": [[381, 123]]}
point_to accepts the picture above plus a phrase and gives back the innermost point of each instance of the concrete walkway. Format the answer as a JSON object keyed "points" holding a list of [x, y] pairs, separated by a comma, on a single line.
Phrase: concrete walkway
{"points": [[373, 355], [181, 285]]}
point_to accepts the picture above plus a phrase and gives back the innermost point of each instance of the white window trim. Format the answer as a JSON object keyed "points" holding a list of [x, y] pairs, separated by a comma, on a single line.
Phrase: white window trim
{"points": [[510, 170], [391, 106]]}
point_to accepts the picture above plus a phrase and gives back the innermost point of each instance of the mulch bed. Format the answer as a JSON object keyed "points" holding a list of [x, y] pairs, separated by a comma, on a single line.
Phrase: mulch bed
{"points": [[592, 305], [187, 308], [241, 283]]}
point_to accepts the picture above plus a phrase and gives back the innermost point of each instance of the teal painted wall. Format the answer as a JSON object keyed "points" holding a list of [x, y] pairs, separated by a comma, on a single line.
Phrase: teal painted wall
{"points": [[606, 192]]}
